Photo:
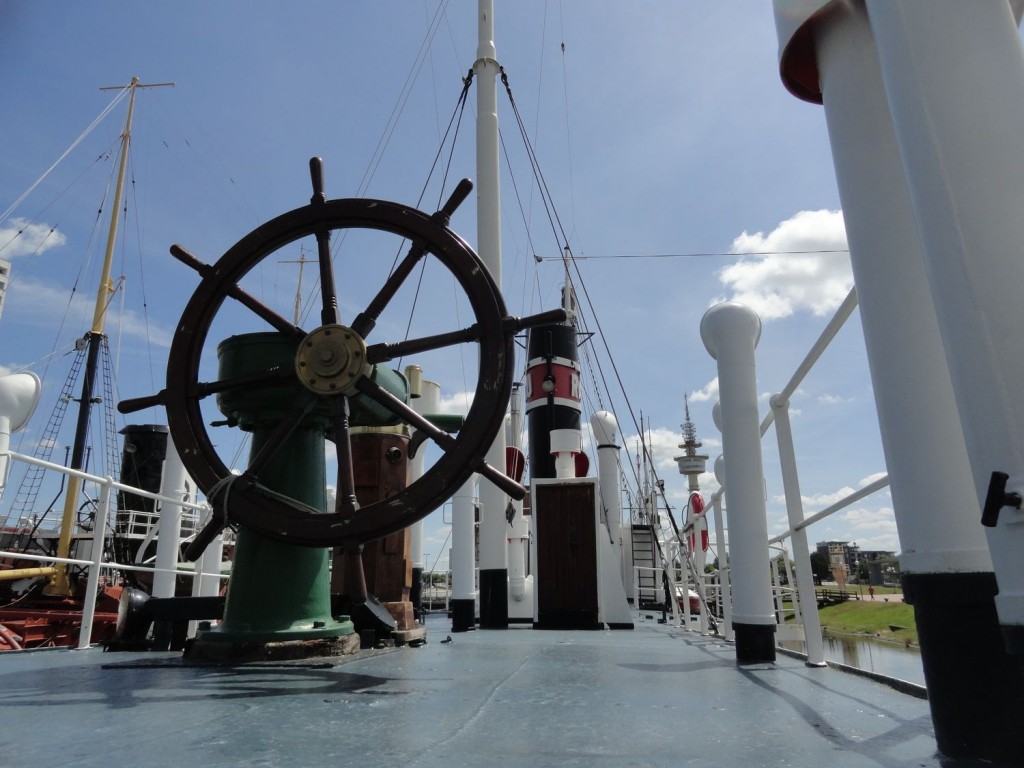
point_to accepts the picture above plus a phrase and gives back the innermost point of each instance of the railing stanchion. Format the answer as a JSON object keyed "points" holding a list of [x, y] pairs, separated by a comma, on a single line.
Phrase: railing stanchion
{"points": [[99, 534], [724, 578], [801, 554]]}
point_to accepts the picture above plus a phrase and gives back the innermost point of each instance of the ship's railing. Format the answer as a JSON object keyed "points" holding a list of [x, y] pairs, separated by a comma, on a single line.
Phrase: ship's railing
{"points": [[142, 526], [96, 565], [804, 601], [436, 596], [141, 523]]}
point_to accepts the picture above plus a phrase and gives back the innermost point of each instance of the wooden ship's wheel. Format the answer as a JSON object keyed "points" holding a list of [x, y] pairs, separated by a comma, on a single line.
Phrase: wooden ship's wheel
{"points": [[337, 369]]}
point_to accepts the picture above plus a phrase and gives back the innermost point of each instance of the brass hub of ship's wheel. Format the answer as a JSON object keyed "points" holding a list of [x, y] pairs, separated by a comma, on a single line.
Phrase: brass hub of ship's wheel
{"points": [[337, 371], [331, 360]]}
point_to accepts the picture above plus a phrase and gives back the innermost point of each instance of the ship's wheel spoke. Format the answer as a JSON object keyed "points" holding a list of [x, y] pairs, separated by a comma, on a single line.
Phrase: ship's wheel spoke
{"points": [[381, 353], [345, 503], [382, 397], [438, 435], [202, 389], [276, 375], [367, 319], [329, 314], [233, 290]]}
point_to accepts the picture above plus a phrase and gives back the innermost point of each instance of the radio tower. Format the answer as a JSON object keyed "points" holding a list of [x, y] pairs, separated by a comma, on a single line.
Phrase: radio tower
{"points": [[690, 463]]}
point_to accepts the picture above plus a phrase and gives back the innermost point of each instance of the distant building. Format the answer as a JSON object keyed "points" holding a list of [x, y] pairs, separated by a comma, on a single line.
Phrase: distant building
{"points": [[877, 554], [5, 273], [840, 553], [882, 564]]}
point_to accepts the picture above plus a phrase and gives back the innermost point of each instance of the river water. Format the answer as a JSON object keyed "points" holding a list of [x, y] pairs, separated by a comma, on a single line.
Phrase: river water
{"points": [[883, 658]]}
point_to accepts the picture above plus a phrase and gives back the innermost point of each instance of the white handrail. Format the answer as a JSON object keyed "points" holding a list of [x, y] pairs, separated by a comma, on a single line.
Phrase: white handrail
{"points": [[96, 565], [843, 503], [102, 480]]}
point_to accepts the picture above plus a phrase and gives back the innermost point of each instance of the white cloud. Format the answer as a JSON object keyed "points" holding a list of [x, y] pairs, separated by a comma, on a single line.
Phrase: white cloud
{"points": [[832, 399], [457, 402], [7, 370], [19, 236], [819, 501], [663, 445], [788, 280], [35, 301], [871, 478], [871, 528], [708, 394]]}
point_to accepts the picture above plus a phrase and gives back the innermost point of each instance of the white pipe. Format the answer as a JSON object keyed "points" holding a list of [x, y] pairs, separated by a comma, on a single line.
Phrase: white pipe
{"points": [[954, 78], [463, 555], [565, 444], [519, 534], [806, 597], [168, 544], [210, 579], [605, 432], [429, 401], [5, 447], [730, 332], [923, 442], [19, 395], [207, 580]]}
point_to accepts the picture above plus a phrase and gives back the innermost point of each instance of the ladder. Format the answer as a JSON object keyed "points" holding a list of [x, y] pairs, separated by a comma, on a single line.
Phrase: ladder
{"points": [[646, 559]]}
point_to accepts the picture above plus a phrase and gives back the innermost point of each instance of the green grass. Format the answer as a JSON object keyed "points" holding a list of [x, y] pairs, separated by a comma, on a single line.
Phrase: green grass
{"points": [[862, 589], [872, 619]]}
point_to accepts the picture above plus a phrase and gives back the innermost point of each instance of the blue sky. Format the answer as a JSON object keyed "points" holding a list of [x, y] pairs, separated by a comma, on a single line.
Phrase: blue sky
{"points": [[662, 130]]}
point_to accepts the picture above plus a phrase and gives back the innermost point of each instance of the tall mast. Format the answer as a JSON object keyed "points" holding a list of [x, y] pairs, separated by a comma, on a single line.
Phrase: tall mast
{"points": [[59, 584], [301, 261], [493, 524]]}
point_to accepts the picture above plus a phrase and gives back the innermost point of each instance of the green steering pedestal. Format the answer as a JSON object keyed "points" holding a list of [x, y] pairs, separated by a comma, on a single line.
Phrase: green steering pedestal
{"points": [[279, 603]]}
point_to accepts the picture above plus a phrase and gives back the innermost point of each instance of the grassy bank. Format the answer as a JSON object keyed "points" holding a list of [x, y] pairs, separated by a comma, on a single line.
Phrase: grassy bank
{"points": [[877, 620]]}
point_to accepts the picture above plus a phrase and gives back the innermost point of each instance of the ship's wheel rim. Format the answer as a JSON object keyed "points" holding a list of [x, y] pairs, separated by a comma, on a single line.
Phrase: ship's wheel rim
{"points": [[263, 512]]}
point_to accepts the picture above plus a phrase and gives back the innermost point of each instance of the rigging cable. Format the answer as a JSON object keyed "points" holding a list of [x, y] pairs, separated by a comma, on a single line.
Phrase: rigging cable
{"points": [[401, 101], [22, 436], [142, 280], [459, 112], [25, 225], [697, 254], [560, 235], [120, 95], [568, 132]]}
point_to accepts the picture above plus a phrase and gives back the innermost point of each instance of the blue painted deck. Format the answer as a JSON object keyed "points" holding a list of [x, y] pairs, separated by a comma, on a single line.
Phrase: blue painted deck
{"points": [[649, 697]]}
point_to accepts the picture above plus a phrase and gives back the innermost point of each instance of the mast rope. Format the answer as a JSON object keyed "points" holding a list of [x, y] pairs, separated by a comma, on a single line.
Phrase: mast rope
{"points": [[456, 119], [142, 279], [120, 95], [24, 225], [569, 258], [403, 99]]}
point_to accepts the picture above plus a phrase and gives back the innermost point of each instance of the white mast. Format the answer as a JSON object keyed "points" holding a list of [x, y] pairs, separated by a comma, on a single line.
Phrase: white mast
{"points": [[493, 501]]}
